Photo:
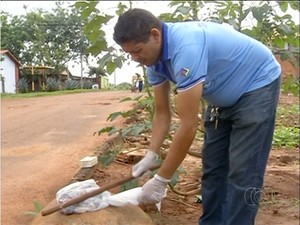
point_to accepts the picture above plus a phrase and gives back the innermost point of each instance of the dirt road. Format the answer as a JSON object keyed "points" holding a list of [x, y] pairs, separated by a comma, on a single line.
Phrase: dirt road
{"points": [[43, 140]]}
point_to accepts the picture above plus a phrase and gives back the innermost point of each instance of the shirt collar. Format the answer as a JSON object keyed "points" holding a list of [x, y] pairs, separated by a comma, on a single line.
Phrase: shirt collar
{"points": [[165, 50]]}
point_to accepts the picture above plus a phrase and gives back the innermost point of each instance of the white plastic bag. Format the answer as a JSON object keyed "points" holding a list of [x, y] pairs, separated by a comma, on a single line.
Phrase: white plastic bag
{"points": [[126, 197], [78, 189], [96, 202]]}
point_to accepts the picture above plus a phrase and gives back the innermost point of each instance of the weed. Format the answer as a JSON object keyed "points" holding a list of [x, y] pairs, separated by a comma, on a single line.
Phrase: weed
{"points": [[287, 137], [52, 84], [23, 85], [290, 85], [38, 208]]}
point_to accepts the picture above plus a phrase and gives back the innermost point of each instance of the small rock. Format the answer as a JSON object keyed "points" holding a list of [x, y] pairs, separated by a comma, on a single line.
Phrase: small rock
{"points": [[285, 159]]}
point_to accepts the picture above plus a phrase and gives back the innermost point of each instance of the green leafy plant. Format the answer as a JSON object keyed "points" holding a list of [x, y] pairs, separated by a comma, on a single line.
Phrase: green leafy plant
{"points": [[286, 133], [129, 185], [287, 137], [290, 85], [52, 84], [109, 156], [23, 85], [71, 85], [87, 84], [38, 208], [143, 103]]}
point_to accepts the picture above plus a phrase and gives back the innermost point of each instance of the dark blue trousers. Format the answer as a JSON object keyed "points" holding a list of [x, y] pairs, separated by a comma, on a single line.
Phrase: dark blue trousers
{"points": [[235, 155]]}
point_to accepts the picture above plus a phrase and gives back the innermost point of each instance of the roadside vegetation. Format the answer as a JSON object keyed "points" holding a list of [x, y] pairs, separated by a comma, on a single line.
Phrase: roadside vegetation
{"points": [[37, 36]]}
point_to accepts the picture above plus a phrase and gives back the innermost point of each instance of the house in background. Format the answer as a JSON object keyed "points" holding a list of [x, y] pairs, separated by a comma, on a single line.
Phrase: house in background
{"points": [[9, 72]]}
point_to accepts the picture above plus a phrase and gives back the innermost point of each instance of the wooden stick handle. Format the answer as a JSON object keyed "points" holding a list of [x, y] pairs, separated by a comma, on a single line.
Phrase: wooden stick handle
{"points": [[85, 196]]}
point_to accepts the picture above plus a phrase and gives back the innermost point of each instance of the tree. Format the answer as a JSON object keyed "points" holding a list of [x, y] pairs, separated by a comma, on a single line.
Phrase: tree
{"points": [[268, 26], [43, 38], [96, 71], [110, 58], [185, 11], [12, 36]]}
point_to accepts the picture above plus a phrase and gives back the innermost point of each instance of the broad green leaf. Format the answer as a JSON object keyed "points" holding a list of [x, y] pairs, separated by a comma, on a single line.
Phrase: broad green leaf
{"points": [[108, 157], [283, 5], [93, 36], [183, 9], [103, 60], [104, 130], [286, 29], [175, 177], [113, 116], [121, 9], [138, 98], [280, 43], [126, 99], [97, 21], [85, 13], [94, 50], [129, 185], [136, 129], [257, 13], [81, 4], [294, 5], [118, 61], [110, 67]]}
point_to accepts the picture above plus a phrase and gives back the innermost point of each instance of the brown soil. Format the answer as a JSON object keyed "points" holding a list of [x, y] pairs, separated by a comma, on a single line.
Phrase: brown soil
{"points": [[44, 138], [280, 195]]}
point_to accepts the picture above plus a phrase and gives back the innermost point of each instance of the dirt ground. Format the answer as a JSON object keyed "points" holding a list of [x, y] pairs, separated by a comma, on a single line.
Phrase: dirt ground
{"points": [[42, 141], [280, 194], [44, 138]]}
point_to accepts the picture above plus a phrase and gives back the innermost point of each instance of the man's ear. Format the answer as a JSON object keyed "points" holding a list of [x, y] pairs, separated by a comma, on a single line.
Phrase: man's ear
{"points": [[156, 34]]}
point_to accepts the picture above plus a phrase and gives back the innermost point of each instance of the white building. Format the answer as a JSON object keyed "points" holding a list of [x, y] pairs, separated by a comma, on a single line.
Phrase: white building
{"points": [[9, 72]]}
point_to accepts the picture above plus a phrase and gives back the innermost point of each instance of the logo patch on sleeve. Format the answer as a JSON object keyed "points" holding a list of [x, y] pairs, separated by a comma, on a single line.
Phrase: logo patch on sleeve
{"points": [[184, 71]]}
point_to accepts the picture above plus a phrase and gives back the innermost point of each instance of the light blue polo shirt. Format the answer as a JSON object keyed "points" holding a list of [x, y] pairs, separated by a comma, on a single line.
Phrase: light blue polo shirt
{"points": [[228, 62]]}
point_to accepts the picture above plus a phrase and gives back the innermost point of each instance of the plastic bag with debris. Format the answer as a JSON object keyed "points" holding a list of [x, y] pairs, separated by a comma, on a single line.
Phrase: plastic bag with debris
{"points": [[96, 202], [77, 189]]}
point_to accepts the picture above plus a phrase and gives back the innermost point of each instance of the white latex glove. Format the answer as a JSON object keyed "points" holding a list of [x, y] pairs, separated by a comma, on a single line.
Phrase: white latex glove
{"points": [[154, 191], [145, 164]]}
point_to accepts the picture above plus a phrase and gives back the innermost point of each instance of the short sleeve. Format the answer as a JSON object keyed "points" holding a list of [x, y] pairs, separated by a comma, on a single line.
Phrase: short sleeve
{"points": [[154, 77], [190, 66]]}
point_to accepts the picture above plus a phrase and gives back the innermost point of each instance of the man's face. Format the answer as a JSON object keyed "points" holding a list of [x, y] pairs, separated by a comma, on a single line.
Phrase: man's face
{"points": [[145, 53]]}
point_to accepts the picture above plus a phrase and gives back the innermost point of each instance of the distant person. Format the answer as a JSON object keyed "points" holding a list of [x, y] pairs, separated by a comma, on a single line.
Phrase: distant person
{"points": [[240, 79], [140, 81], [134, 83]]}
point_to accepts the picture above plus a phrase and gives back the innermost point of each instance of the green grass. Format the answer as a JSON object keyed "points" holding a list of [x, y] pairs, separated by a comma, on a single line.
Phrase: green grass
{"points": [[290, 85], [287, 128], [286, 137]]}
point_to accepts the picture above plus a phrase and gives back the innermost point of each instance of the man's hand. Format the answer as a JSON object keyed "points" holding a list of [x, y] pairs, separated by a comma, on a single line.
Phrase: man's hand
{"points": [[154, 191], [145, 164]]}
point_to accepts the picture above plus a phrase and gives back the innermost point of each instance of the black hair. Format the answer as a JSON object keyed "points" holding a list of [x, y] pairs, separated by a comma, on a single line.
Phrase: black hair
{"points": [[135, 25]]}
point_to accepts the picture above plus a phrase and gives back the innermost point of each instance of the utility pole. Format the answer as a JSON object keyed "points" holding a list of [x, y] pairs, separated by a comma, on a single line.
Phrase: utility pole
{"points": [[115, 80], [81, 52]]}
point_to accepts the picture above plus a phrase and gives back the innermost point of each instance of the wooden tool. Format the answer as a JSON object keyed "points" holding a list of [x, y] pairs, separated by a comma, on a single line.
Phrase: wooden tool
{"points": [[85, 196]]}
